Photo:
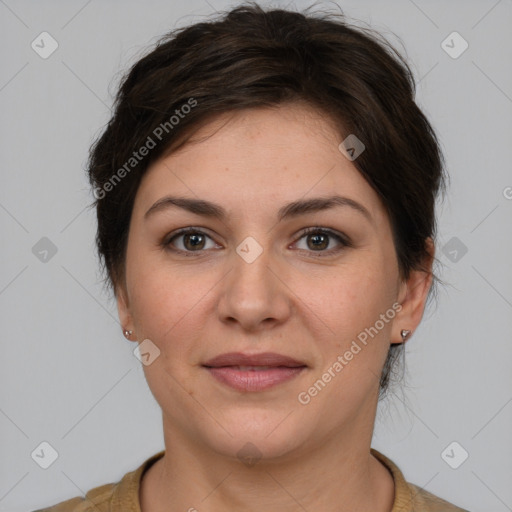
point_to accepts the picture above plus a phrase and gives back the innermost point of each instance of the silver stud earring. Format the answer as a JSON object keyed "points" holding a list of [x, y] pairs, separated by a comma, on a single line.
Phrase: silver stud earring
{"points": [[404, 333], [128, 333]]}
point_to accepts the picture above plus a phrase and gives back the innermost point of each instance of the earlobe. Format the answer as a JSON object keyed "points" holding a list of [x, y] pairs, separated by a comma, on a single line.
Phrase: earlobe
{"points": [[414, 293], [124, 312], [405, 334]]}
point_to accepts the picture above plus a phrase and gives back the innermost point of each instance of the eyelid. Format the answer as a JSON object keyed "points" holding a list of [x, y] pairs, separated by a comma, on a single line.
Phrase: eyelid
{"points": [[340, 237], [166, 243], [343, 239]]}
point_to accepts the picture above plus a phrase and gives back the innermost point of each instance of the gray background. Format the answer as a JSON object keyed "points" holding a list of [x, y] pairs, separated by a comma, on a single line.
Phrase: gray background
{"points": [[68, 377]]}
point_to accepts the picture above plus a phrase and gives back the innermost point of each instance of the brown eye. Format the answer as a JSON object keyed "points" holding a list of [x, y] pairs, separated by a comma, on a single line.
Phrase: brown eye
{"points": [[319, 239], [193, 241], [188, 240]]}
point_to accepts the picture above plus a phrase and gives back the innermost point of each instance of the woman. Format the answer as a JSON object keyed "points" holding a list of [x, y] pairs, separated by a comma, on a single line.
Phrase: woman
{"points": [[265, 197]]}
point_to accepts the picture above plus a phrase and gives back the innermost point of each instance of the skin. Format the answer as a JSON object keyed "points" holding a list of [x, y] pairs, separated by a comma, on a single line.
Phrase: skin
{"points": [[289, 300]]}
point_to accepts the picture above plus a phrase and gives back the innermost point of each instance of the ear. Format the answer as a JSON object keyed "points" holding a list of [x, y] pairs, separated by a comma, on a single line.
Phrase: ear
{"points": [[123, 309], [413, 296]]}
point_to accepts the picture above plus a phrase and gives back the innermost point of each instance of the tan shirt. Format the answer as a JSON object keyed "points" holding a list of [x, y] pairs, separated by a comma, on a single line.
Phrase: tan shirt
{"points": [[123, 496]]}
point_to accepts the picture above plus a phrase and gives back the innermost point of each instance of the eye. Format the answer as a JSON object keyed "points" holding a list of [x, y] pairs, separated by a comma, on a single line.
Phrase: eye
{"points": [[193, 240], [188, 240], [319, 239]]}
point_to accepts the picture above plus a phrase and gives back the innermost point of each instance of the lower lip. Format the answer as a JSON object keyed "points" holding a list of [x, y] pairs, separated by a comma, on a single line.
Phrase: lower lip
{"points": [[254, 380]]}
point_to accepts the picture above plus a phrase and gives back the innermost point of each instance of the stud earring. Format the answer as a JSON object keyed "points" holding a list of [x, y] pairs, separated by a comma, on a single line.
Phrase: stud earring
{"points": [[128, 333], [404, 333]]}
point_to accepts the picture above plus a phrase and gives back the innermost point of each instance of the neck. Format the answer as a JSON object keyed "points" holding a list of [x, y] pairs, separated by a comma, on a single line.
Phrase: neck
{"points": [[338, 474]]}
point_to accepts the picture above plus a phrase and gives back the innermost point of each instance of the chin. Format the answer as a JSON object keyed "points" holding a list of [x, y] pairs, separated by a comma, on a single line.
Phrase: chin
{"points": [[258, 434]]}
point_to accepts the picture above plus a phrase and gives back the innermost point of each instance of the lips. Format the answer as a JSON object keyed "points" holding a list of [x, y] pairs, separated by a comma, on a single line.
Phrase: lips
{"points": [[257, 372], [266, 359]]}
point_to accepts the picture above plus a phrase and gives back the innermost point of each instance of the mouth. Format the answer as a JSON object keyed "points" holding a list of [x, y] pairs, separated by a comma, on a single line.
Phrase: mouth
{"points": [[252, 373]]}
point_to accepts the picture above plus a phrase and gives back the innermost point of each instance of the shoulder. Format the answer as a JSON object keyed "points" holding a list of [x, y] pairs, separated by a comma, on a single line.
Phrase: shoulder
{"points": [[97, 500], [426, 501], [112, 497], [410, 497]]}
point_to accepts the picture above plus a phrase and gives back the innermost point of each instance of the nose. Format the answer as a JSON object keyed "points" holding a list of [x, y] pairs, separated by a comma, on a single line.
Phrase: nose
{"points": [[254, 294]]}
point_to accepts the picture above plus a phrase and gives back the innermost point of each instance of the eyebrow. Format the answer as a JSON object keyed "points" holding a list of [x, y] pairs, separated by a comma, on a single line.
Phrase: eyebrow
{"points": [[294, 209]]}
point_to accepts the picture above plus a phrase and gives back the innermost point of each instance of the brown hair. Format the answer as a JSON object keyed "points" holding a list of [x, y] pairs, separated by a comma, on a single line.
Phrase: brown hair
{"points": [[250, 58]]}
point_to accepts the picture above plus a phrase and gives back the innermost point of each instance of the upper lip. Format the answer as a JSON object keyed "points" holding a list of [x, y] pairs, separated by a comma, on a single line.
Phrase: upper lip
{"points": [[263, 359]]}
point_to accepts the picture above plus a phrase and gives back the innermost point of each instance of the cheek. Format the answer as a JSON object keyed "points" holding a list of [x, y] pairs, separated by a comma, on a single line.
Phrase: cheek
{"points": [[166, 312], [348, 306], [166, 302]]}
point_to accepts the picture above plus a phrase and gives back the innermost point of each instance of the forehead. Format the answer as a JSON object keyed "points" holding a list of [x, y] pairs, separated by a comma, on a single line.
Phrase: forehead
{"points": [[254, 157]]}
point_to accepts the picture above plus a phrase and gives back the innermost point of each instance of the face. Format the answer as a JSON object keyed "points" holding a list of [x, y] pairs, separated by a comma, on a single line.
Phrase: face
{"points": [[265, 269]]}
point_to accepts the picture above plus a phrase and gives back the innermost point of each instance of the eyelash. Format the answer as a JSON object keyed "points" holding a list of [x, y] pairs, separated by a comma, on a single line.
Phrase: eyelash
{"points": [[343, 240]]}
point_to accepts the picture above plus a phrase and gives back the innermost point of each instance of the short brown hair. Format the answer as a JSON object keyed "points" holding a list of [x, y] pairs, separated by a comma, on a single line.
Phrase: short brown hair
{"points": [[249, 58]]}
